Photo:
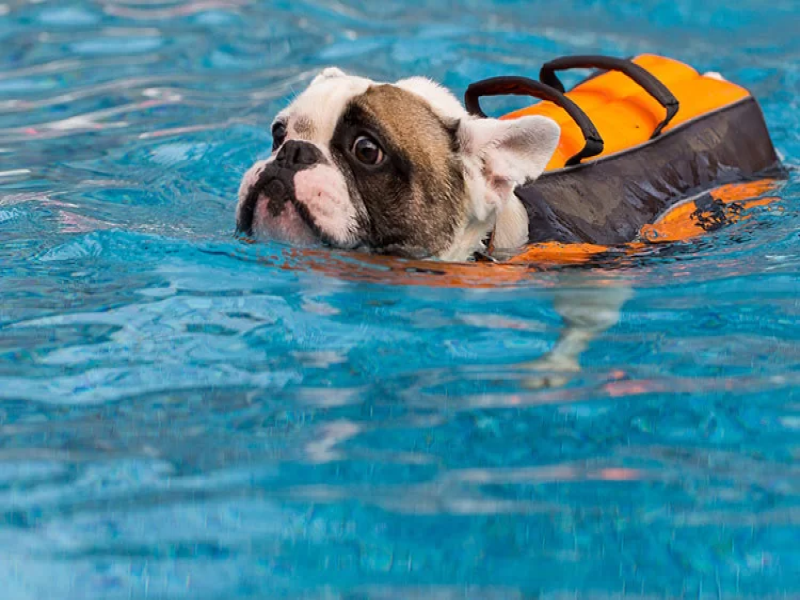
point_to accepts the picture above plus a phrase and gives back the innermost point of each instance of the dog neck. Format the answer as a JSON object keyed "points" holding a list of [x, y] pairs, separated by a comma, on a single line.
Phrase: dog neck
{"points": [[501, 217], [508, 230]]}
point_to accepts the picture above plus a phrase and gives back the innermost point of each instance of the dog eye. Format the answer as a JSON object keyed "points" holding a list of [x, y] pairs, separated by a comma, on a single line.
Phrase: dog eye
{"points": [[367, 151], [278, 134]]}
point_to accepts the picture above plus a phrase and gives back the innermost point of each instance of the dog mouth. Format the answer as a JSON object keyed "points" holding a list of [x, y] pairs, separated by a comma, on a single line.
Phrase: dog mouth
{"points": [[271, 208]]}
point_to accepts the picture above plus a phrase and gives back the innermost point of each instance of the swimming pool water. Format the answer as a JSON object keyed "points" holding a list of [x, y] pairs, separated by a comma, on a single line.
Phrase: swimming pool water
{"points": [[183, 415]]}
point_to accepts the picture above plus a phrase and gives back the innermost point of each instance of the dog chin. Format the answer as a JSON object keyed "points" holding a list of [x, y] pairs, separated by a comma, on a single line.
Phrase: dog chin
{"points": [[288, 226]]}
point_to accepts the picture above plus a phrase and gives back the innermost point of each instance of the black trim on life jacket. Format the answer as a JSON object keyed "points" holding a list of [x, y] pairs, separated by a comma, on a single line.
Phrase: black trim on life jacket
{"points": [[608, 200]]}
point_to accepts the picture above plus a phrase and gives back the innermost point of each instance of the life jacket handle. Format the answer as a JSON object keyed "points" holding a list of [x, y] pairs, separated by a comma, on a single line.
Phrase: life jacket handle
{"points": [[522, 86], [649, 82]]}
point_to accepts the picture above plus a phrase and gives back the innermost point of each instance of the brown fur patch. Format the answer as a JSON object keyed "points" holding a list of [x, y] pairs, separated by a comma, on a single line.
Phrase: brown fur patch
{"points": [[413, 127], [303, 127], [433, 208]]}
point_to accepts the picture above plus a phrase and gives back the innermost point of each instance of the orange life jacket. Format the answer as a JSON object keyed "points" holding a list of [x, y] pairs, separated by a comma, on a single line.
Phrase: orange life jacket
{"points": [[637, 140]]}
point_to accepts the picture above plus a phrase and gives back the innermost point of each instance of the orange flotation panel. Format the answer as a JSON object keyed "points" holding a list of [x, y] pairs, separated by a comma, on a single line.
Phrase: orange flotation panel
{"points": [[624, 113]]}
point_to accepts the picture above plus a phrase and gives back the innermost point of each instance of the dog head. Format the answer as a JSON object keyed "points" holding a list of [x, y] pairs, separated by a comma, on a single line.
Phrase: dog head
{"points": [[397, 168]]}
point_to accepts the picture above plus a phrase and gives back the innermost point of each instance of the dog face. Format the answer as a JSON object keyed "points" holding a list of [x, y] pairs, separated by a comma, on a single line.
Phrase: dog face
{"points": [[396, 168]]}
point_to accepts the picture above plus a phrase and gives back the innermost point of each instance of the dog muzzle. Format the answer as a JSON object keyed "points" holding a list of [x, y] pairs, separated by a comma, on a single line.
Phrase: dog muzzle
{"points": [[270, 204]]}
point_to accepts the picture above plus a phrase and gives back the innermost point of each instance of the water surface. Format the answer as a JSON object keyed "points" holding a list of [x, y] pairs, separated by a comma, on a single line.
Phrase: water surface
{"points": [[186, 416]]}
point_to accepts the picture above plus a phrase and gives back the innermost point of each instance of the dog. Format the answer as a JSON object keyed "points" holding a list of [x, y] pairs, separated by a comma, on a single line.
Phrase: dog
{"points": [[404, 169], [399, 168]]}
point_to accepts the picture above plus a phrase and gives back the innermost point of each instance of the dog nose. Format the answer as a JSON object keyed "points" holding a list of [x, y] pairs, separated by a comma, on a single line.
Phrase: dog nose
{"points": [[296, 154]]}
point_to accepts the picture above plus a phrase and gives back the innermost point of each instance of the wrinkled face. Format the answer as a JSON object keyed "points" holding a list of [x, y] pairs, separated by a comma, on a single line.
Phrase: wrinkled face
{"points": [[357, 164]]}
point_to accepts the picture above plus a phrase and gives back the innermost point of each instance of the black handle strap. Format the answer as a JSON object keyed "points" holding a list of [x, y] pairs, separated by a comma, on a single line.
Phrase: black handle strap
{"points": [[651, 84], [522, 86]]}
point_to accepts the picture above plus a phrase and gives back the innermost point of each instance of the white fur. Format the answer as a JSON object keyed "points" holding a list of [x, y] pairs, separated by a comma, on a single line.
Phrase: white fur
{"points": [[328, 73], [324, 191], [440, 99], [499, 156], [322, 103], [513, 151], [511, 230], [248, 181]]}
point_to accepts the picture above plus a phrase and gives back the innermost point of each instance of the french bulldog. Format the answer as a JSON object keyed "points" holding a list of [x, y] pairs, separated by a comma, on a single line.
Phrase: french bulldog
{"points": [[398, 168]]}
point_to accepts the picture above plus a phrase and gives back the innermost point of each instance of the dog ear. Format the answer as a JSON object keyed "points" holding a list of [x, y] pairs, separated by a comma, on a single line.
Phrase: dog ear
{"points": [[510, 152], [328, 73]]}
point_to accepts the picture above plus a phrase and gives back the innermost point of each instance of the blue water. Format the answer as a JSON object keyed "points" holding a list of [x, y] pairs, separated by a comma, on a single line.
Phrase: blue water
{"points": [[183, 415]]}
